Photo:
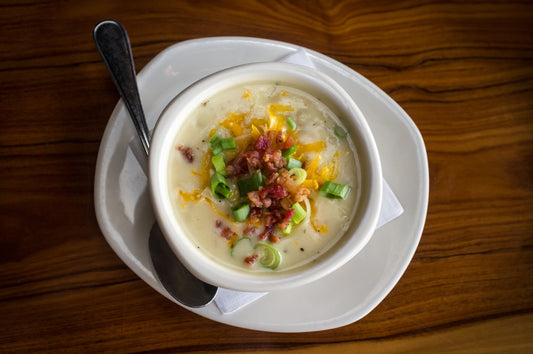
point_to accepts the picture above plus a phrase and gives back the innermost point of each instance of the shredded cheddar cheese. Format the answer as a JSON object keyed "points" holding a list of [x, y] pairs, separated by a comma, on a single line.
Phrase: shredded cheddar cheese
{"points": [[312, 147], [277, 119], [234, 123]]}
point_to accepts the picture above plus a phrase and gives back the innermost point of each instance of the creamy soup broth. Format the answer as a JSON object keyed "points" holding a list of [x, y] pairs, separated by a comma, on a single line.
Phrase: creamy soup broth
{"points": [[245, 113]]}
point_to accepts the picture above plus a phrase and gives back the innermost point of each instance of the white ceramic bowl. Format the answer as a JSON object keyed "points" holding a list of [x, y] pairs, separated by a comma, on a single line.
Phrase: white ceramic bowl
{"points": [[363, 224]]}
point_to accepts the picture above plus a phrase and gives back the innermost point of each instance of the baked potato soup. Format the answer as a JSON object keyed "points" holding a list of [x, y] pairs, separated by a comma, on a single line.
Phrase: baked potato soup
{"points": [[263, 177]]}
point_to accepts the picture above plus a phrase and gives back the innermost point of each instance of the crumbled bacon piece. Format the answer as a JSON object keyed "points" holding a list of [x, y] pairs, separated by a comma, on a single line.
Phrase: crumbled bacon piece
{"points": [[272, 178], [287, 202], [255, 198], [287, 218], [186, 152], [262, 143], [272, 218], [253, 159], [288, 143], [225, 231], [251, 259], [255, 214], [249, 230], [275, 190], [279, 137], [273, 238], [266, 232], [274, 159], [237, 166], [301, 194]]}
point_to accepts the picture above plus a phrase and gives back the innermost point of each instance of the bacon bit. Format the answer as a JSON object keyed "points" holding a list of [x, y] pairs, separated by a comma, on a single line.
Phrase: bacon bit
{"points": [[238, 166], [272, 178], [287, 218], [279, 137], [255, 198], [255, 214], [266, 232], [275, 204], [287, 202], [249, 230], [286, 181], [225, 231], [186, 152], [288, 143], [251, 259], [273, 238], [276, 158], [275, 190], [262, 143], [301, 194], [253, 159], [272, 218]]}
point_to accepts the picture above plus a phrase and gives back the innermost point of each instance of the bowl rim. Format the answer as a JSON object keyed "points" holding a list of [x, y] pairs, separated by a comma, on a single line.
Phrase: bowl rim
{"points": [[196, 261]]}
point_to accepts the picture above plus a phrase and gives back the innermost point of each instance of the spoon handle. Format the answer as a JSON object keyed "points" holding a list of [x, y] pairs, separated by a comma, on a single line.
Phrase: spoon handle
{"points": [[114, 45]]}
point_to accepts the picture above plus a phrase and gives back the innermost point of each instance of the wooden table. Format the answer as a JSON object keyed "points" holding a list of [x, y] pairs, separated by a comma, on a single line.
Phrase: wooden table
{"points": [[463, 71]]}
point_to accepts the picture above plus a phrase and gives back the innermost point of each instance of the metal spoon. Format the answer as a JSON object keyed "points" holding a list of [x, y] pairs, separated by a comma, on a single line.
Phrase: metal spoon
{"points": [[113, 44]]}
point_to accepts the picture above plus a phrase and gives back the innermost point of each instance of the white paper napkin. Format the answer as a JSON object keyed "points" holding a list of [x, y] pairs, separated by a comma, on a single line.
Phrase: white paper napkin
{"points": [[229, 301]]}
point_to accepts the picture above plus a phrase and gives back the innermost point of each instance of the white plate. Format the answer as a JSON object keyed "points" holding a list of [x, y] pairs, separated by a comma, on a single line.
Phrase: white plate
{"points": [[125, 215]]}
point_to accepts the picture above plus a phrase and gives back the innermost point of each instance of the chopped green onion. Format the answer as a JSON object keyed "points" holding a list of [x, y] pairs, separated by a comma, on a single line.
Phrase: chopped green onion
{"points": [[214, 142], [335, 190], [228, 144], [291, 123], [288, 229], [270, 257], [220, 186], [241, 212], [214, 139], [242, 248], [289, 151], [299, 214], [220, 165], [298, 175], [218, 145], [293, 163], [250, 184], [340, 132]]}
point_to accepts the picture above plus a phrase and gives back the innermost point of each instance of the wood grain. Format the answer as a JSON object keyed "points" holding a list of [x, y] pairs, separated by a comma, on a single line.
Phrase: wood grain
{"points": [[463, 71]]}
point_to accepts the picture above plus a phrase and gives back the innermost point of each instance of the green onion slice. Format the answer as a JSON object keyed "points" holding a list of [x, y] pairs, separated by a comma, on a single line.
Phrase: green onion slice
{"points": [[220, 165], [300, 213], [289, 151], [298, 175], [291, 123], [228, 144], [293, 163], [335, 190], [218, 145], [242, 248], [220, 186], [288, 229], [250, 184], [269, 256], [240, 212], [340, 132], [214, 143]]}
